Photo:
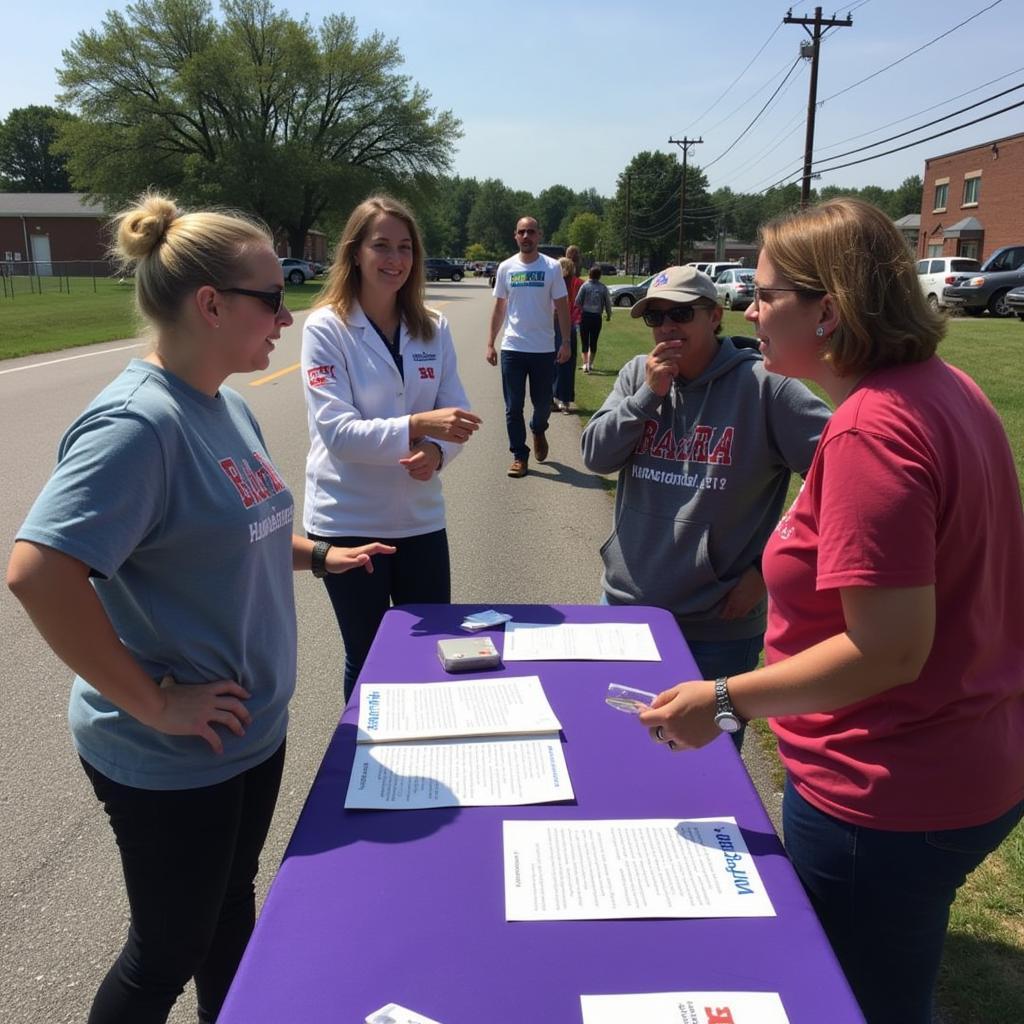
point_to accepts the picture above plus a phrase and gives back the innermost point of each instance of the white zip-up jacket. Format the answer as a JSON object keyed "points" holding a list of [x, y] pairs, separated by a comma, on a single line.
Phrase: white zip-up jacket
{"points": [[358, 408]]}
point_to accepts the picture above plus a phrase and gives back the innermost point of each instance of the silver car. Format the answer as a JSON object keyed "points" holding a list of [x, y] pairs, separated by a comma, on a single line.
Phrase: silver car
{"points": [[735, 288], [296, 271]]}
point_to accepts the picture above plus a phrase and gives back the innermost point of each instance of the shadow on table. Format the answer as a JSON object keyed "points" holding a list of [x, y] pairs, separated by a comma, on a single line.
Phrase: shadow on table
{"points": [[433, 624], [325, 824]]}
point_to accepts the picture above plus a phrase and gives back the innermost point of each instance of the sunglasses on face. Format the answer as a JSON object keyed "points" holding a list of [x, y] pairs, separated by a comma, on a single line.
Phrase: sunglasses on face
{"points": [[274, 300], [677, 314]]}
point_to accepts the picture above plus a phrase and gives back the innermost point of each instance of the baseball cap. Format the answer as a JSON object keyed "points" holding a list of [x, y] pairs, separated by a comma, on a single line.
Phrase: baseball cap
{"points": [[681, 285]]}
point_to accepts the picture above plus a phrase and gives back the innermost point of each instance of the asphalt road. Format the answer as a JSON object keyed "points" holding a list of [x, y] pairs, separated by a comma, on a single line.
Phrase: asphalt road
{"points": [[62, 908]]}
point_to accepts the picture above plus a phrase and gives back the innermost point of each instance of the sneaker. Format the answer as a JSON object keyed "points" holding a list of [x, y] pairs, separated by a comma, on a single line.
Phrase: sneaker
{"points": [[518, 468], [540, 447], [559, 405], [567, 408]]}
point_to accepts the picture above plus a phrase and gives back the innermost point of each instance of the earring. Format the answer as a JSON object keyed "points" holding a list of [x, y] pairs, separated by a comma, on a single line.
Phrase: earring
{"points": [[820, 332]]}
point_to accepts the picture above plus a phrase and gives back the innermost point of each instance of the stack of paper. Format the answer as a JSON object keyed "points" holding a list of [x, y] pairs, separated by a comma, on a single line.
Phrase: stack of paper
{"points": [[580, 641], [674, 1007], [474, 742]]}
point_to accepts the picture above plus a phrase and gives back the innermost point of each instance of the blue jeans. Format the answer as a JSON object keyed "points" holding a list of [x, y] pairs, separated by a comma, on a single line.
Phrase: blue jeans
{"points": [[883, 899], [565, 373], [518, 369], [419, 572], [726, 658]]}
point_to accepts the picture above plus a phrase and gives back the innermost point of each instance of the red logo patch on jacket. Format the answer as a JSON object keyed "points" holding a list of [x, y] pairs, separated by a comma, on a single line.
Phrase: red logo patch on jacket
{"points": [[320, 375]]}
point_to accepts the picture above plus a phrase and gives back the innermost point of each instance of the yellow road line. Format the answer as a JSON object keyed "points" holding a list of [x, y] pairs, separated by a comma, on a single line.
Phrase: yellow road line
{"points": [[273, 376]]}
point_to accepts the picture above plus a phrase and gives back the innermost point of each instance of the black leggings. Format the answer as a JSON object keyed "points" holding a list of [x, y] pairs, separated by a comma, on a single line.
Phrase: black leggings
{"points": [[189, 858], [590, 330]]}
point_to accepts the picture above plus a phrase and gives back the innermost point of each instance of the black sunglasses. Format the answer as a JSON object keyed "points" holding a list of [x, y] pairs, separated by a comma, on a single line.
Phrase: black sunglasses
{"points": [[275, 299], [677, 314]]}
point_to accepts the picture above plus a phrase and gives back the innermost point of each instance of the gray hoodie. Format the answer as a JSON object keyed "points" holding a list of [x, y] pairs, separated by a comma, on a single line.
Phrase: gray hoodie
{"points": [[703, 474]]}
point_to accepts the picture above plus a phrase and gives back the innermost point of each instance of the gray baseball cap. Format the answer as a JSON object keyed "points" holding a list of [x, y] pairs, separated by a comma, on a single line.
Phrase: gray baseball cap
{"points": [[681, 285]]}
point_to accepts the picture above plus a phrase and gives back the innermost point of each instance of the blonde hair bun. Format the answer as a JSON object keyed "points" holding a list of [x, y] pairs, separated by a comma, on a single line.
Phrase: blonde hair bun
{"points": [[143, 227]]}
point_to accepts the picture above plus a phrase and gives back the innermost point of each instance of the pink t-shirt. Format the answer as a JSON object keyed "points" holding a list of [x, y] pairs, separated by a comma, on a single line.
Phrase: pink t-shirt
{"points": [[912, 484]]}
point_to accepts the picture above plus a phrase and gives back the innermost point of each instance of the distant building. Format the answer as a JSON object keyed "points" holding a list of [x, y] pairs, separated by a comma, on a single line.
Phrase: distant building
{"points": [[740, 252], [971, 204], [910, 229], [50, 233]]}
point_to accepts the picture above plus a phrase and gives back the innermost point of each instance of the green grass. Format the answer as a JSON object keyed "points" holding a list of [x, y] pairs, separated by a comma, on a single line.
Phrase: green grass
{"points": [[981, 978], [33, 322]]}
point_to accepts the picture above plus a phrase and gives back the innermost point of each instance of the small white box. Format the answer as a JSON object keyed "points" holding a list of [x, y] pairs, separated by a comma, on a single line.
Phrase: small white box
{"points": [[468, 654]]}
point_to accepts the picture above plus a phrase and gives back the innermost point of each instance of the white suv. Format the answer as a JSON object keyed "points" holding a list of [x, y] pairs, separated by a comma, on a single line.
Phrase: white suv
{"points": [[935, 272], [714, 269]]}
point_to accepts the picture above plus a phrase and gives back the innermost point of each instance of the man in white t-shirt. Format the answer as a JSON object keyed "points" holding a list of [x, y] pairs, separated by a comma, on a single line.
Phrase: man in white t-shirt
{"points": [[528, 287]]}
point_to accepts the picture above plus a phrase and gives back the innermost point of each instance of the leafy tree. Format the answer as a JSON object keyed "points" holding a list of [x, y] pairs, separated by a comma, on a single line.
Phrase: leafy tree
{"points": [[476, 252], [585, 232], [256, 110], [492, 219], [551, 208], [27, 161]]}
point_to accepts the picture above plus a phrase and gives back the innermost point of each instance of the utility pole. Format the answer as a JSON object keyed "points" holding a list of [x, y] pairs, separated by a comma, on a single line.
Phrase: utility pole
{"points": [[684, 144], [820, 27], [628, 181]]}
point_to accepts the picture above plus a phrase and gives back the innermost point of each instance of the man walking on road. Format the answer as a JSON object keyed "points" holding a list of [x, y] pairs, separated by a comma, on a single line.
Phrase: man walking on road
{"points": [[527, 288]]}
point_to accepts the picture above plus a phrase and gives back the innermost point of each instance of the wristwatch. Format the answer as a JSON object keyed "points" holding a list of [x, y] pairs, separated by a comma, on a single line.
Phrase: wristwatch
{"points": [[318, 560], [725, 714]]}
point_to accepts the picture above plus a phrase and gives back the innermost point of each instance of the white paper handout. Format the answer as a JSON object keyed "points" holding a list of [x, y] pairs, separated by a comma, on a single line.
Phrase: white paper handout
{"points": [[509, 706], [395, 1014], [459, 773], [685, 1008], [580, 641], [653, 867]]}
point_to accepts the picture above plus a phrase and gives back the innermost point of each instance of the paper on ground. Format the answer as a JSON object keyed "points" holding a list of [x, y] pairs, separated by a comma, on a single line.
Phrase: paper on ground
{"points": [[509, 706], [653, 867], [459, 773], [580, 641], [685, 1008]]}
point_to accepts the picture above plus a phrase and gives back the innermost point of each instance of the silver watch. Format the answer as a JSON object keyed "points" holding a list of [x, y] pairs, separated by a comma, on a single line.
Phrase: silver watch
{"points": [[725, 714]]}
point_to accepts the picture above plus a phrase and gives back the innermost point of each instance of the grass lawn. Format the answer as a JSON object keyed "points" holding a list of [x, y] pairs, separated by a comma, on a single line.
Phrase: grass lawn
{"points": [[981, 977], [32, 322]]}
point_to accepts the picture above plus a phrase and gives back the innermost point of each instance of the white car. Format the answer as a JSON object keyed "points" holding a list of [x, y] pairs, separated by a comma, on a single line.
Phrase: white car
{"points": [[296, 271], [735, 288], [714, 269], [936, 272]]}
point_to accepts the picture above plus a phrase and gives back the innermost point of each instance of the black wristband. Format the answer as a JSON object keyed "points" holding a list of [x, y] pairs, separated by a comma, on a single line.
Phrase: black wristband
{"points": [[318, 559]]}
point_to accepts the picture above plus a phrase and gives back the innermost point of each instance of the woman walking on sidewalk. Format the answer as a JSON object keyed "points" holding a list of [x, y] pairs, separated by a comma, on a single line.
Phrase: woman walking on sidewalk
{"points": [[591, 300]]}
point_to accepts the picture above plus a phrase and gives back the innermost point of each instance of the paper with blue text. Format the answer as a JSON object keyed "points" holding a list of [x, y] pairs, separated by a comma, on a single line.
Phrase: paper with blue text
{"points": [[642, 868]]}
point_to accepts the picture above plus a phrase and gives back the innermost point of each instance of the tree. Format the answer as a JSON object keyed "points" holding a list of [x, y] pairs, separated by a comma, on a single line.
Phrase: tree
{"points": [[584, 232], [27, 160], [258, 111], [552, 206], [492, 220]]}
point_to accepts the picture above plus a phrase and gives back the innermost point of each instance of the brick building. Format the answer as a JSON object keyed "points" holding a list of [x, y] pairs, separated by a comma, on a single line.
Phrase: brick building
{"points": [[971, 204], [49, 233]]}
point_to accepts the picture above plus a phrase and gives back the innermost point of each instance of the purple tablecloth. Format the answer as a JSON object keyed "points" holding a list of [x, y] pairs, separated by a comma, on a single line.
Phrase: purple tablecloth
{"points": [[371, 907]]}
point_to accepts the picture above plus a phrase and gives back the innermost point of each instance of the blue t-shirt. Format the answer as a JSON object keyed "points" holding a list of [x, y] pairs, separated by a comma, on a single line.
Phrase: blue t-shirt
{"points": [[170, 497]]}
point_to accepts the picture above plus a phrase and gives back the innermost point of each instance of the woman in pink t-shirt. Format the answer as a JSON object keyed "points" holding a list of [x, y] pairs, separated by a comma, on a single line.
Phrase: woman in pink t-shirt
{"points": [[895, 678]]}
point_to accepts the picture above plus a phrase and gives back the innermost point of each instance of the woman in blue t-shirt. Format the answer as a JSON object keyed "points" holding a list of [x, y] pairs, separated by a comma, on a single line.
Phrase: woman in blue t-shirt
{"points": [[157, 564]]}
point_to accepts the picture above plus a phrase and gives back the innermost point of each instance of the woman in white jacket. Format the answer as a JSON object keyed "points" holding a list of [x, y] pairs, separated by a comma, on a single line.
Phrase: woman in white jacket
{"points": [[386, 411]]}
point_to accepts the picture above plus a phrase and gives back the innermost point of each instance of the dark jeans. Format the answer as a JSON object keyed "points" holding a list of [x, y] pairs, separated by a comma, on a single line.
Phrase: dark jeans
{"points": [[883, 899], [590, 331], [727, 658], [189, 858], [518, 369], [419, 572], [565, 373]]}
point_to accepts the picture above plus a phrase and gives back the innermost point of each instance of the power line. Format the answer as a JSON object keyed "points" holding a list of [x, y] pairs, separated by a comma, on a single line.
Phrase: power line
{"points": [[736, 80], [925, 46], [910, 145], [753, 121], [732, 113]]}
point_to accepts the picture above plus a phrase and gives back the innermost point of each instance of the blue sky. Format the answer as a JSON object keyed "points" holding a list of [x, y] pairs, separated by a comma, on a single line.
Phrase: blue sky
{"points": [[551, 94]]}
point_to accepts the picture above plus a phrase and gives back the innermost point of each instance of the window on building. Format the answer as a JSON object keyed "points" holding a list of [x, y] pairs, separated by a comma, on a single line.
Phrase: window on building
{"points": [[941, 195], [935, 249], [972, 189], [968, 249]]}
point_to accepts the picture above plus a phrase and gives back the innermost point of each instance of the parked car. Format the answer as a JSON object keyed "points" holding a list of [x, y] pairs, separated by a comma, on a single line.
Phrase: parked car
{"points": [[608, 269], [713, 269], [735, 288], [491, 270], [627, 294], [936, 272], [296, 271], [987, 289], [1015, 300], [436, 269]]}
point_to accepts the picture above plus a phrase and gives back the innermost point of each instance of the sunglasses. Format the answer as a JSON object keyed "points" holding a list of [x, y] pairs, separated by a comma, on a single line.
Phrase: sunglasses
{"points": [[274, 300], [766, 293], [677, 314]]}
